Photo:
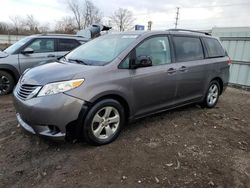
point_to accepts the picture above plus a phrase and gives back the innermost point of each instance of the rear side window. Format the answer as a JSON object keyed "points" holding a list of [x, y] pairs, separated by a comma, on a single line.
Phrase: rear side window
{"points": [[188, 48], [214, 48], [67, 44]]}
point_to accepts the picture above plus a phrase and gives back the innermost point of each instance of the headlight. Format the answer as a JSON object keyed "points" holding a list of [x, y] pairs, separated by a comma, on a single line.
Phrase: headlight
{"points": [[59, 87]]}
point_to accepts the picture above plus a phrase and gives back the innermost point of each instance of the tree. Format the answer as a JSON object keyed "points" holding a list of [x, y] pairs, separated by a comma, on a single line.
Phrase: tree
{"points": [[85, 14], [17, 23], [123, 19], [4, 27], [44, 28], [66, 25], [31, 23], [76, 9], [91, 14]]}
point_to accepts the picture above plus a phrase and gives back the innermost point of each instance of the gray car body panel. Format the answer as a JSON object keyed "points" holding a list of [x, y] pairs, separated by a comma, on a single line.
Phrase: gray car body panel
{"points": [[140, 88], [43, 113]]}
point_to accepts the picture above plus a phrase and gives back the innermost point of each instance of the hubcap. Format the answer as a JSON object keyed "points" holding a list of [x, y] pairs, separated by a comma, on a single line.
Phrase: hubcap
{"points": [[105, 122], [213, 93], [4, 84]]}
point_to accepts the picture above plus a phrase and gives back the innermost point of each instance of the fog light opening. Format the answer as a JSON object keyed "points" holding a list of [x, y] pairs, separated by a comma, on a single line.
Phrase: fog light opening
{"points": [[53, 129]]}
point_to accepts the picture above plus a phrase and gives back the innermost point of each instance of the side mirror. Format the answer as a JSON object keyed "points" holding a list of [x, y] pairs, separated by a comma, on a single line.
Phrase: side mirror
{"points": [[27, 51], [143, 61]]}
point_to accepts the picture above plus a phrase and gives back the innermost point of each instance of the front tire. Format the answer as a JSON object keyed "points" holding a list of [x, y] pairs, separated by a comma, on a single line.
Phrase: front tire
{"points": [[212, 94], [7, 83], [104, 122]]}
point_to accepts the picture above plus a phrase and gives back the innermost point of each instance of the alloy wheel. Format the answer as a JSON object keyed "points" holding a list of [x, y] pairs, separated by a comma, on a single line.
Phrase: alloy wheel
{"points": [[105, 123], [4, 84], [213, 94]]}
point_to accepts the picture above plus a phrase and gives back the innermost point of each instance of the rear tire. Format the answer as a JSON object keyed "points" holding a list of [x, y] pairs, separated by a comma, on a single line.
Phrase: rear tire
{"points": [[104, 122], [212, 94], [7, 83]]}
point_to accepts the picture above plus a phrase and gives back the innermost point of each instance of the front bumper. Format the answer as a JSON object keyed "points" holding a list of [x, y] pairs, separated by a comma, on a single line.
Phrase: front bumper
{"points": [[43, 130], [48, 116]]}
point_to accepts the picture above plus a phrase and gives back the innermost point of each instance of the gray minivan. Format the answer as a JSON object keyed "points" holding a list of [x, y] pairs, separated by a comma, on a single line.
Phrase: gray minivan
{"points": [[97, 88], [30, 52]]}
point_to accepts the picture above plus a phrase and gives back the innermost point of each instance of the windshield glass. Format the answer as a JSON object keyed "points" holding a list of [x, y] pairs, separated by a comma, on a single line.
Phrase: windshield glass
{"points": [[102, 50], [11, 49]]}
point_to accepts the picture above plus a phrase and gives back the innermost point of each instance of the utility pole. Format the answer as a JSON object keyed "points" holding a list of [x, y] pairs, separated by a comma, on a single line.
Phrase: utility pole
{"points": [[177, 17]]}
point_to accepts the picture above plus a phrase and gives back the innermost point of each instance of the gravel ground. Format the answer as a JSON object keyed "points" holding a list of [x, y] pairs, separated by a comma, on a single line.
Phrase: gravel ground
{"points": [[186, 147]]}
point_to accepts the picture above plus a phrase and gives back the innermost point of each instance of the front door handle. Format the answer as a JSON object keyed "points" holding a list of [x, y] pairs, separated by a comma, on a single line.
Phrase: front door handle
{"points": [[183, 69], [171, 71], [51, 55]]}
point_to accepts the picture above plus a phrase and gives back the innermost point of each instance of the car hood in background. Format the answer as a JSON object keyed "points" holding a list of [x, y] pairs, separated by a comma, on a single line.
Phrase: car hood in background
{"points": [[53, 72], [3, 54]]}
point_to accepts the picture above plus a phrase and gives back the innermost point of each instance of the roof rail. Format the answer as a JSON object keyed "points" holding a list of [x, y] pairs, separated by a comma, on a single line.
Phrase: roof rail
{"points": [[205, 33], [57, 34]]}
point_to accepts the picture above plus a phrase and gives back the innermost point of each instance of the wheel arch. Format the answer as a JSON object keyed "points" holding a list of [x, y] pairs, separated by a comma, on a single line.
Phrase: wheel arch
{"points": [[11, 70], [118, 98], [219, 80]]}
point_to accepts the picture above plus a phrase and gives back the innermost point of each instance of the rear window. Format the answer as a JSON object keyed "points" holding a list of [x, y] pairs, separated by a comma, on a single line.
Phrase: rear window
{"points": [[67, 44], [214, 48], [188, 48]]}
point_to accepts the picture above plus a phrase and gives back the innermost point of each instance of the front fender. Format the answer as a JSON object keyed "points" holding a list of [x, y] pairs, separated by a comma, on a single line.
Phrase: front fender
{"points": [[11, 69]]}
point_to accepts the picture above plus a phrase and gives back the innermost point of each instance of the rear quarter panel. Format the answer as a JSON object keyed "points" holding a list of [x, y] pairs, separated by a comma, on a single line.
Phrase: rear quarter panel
{"points": [[217, 68]]}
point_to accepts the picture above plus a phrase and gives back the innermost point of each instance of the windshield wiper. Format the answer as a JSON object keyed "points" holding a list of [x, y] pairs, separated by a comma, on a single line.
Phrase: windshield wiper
{"points": [[78, 61]]}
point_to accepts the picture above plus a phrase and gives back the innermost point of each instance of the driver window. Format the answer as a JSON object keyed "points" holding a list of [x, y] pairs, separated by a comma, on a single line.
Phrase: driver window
{"points": [[157, 48], [42, 45]]}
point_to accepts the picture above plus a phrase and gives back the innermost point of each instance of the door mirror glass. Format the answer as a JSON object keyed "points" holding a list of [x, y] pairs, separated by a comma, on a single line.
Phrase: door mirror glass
{"points": [[143, 61], [28, 51]]}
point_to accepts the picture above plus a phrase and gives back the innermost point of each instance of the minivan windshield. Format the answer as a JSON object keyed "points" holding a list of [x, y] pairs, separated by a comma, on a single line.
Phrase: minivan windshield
{"points": [[102, 50], [11, 49]]}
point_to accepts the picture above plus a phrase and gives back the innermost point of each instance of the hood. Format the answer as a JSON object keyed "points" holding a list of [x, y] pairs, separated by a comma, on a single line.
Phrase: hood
{"points": [[3, 54], [54, 72]]}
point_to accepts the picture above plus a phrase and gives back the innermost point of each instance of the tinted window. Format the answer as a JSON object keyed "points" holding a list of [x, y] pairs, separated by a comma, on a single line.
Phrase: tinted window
{"points": [[188, 48], [42, 45], [214, 48], [67, 44], [157, 48]]}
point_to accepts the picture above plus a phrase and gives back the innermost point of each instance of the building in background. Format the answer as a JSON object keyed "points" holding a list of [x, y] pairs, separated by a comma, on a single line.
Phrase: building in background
{"points": [[236, 41]]}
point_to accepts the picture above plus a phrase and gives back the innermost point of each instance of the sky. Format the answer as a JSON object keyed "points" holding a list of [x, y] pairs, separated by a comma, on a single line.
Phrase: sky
{"points": [[194, 14]]}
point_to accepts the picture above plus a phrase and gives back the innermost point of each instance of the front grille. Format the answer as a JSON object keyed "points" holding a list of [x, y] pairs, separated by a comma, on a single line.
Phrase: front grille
{"points": [[27, 91]]}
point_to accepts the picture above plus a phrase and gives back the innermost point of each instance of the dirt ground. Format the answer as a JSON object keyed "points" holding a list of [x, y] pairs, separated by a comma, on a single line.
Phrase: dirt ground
{"points": [[187, 147]]}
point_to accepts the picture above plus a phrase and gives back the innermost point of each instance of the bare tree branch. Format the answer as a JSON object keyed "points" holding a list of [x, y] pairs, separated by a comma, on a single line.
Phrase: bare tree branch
{"points": [[91, 14], [4, 27], [85, 14], [123, 19], [31, 23], [66, 25], [76, 9], [17, 23]]}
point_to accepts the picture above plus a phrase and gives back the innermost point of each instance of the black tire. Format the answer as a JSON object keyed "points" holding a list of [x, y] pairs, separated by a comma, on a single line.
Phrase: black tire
{"points": [[206, 100], [7, 83], [98, 108]]}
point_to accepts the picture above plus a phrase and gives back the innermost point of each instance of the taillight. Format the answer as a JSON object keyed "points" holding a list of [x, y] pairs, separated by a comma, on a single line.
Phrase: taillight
{"points": [[229, 62]]}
